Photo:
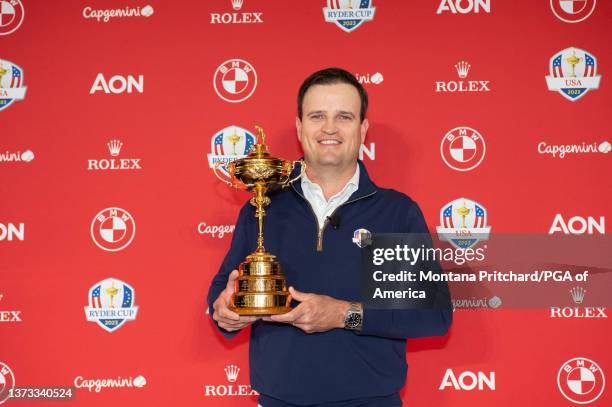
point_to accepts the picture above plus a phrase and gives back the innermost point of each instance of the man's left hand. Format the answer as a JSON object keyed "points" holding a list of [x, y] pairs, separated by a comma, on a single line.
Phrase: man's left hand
{"points": [[315, 313]]}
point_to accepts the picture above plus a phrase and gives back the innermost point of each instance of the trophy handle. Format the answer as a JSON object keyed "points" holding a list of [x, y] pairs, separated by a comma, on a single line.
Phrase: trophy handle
{"points": [[231, 184], [302, 170]]}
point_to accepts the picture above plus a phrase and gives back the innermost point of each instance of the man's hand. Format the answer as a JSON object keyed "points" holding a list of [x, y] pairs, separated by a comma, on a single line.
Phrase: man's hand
{"points": [[226, 318], [315, 313]]}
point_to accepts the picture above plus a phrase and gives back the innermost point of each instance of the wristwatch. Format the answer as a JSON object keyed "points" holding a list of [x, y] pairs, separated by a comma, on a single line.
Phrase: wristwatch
{"points": [[354, 317]]}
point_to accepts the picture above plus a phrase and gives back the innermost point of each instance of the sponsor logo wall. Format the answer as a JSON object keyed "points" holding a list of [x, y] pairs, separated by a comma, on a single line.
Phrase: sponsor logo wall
{"points": [[492, 115]]}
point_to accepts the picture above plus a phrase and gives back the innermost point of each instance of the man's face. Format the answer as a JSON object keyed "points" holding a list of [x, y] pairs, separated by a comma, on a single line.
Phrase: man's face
{"points": [[330, 131]]}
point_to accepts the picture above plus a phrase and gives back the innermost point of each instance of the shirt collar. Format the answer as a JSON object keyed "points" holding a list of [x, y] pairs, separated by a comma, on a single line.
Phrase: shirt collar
{"points": [[365, 188], [354, 181]]}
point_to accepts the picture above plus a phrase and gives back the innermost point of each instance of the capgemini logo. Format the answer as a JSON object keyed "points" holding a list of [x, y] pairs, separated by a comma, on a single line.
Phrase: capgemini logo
{"points": [[139, 381], [604, 147], [147, 11], [377, 78], [25, 156], [495, 302]]}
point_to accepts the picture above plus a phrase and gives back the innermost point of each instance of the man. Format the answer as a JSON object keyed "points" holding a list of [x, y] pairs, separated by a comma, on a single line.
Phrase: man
{"points": [[329, 350]]}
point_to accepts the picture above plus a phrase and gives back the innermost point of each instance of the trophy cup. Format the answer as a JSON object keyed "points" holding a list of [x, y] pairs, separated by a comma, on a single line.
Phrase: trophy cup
{"points": [[261, 288], [112, 291], [463, 212], [2, 73], [573, 60]]}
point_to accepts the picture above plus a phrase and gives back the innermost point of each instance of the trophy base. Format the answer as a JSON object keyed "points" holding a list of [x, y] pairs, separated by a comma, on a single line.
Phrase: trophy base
{"points": [[249, 303], [260, 288], [260, 311]]}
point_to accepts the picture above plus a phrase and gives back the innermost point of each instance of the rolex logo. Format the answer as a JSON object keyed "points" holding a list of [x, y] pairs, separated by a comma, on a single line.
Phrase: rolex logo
{"points": [[232, 373], [229, 390], [462, 69], [578, 312], [237, 4], [114, 147], [578, 294], [236, 17], [461, 85]]}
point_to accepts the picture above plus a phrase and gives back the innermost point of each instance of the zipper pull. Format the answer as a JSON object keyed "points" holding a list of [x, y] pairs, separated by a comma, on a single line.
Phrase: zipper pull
{"points": [[320, 240], [320, 236]]}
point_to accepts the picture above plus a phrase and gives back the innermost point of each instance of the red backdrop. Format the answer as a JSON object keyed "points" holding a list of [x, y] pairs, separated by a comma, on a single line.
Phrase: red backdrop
{"points": [[166, 119]]}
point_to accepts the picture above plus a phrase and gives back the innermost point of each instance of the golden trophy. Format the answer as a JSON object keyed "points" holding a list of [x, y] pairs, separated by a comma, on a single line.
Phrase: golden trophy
{"points": [[2, 73], [112, 291], [463, 212], [234, 138], [261, 288], [573, 60]]}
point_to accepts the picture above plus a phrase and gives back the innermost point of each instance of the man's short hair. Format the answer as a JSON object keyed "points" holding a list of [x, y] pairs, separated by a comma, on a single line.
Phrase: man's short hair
{"points": [[331, 76]]}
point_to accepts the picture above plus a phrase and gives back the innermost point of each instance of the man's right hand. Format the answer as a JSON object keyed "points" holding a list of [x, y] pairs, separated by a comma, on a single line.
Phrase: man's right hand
{"points": [[226, 318]]}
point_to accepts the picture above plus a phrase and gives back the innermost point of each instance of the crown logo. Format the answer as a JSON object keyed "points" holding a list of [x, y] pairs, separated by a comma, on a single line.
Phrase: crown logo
{"points": [[578, 294], [237, 4], [114, 146], [462, 69], [232, 373]]}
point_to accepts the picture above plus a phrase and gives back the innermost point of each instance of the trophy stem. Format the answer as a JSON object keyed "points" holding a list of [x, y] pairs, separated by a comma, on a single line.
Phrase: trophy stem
{"points": [[260, 201]]}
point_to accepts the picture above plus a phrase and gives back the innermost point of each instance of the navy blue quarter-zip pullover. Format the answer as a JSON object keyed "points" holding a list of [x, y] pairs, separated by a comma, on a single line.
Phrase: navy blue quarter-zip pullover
{"points": [[338, 365]]}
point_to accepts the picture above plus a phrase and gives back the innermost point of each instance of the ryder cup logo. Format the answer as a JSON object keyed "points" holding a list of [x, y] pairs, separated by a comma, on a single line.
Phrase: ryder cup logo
{"points": [[111, 304], [7, 381], [462, 148], [463, 223], [362, 237], [573, 73], [572, 11], [581, 380], [348, 14], [11, 16], [235, 80], [11, 83], [113, 229], [228, 145]]}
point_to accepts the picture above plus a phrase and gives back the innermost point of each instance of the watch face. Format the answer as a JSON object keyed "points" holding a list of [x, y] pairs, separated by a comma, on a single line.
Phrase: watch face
{"points": [[353, 320]]}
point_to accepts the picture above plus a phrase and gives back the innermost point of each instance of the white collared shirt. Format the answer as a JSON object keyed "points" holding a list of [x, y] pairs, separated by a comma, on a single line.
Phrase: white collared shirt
{"points": [[323, 208]]}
